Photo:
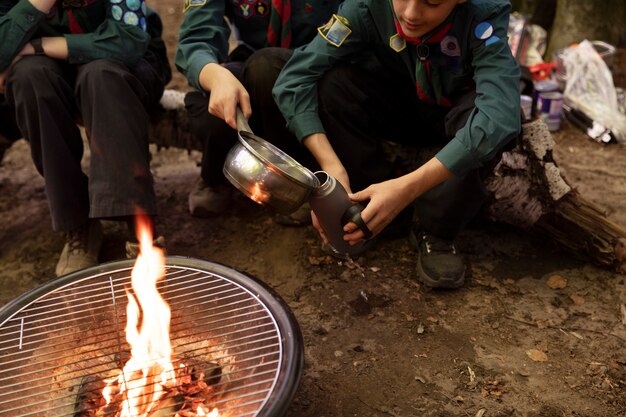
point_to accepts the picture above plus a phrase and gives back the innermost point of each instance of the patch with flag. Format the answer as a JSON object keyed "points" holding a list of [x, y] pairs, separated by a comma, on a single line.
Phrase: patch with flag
{"points": [[193, 3], [336, 30]]}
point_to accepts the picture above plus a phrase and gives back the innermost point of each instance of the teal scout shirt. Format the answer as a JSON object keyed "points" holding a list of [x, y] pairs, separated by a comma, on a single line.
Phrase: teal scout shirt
{"points": [[474, 54], [204, 34], [96, 29]]}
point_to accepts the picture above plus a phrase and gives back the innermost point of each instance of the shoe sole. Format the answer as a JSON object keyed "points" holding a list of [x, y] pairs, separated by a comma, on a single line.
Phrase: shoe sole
{"points": [[441, 283]]}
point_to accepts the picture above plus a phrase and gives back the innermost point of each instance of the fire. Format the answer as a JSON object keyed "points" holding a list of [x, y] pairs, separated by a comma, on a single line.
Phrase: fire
{"points": [[258, 195], [149, 372]]}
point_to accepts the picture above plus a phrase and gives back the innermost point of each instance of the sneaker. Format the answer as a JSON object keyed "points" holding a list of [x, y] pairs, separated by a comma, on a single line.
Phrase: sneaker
{"points": [[300, 217], [132, 248], [81, 249], [439, 265], [207, 201]]}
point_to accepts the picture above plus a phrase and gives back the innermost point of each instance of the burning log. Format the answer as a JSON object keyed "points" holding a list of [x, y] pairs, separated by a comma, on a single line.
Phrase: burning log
{"points": [[196, 386], [526, 189]]}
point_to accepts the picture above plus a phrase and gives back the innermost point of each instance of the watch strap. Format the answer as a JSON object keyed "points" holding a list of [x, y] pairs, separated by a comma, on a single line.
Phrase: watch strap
{"points": [[37, 46]]}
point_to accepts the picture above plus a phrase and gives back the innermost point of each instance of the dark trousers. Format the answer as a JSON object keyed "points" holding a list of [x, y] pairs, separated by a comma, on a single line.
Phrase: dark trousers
{"points": [[361, 109], [112, 101], [257, 73]]}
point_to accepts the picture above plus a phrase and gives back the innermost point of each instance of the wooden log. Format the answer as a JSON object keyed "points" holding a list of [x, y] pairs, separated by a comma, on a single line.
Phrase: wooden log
{"points": [[526, 188]]}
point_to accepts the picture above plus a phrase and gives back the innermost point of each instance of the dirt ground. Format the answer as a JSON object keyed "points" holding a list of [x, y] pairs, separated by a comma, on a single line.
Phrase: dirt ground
{"points": [[377, 343]]}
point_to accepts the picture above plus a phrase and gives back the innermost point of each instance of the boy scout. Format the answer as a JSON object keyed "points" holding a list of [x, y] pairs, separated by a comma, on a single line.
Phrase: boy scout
{"points": [[447, 77], [99, 63], [265, 31]]}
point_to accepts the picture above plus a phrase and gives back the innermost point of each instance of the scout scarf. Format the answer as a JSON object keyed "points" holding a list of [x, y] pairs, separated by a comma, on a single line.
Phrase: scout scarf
{"points": [[279, 29], [427, 77]]}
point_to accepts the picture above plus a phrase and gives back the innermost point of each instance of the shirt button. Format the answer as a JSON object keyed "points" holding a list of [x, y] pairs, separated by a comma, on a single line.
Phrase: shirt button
{"points": [[30, 18]]}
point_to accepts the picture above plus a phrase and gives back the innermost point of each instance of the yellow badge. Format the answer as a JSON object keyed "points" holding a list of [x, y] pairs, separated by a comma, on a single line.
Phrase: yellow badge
{"points": [[336, 30], [397, 43], [193, 3]]}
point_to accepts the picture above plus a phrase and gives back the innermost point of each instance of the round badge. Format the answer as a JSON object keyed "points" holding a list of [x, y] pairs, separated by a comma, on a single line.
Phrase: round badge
{"points": [[143, 24], [131, 18], [493, 39], [117, 12], [133, 5], [483, 30]]}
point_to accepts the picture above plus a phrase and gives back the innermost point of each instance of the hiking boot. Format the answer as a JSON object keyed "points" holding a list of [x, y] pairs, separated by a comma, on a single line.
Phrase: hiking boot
{"points": [[81, 249], [207, 201], [439, 265], [132, 248], [300, 217]]}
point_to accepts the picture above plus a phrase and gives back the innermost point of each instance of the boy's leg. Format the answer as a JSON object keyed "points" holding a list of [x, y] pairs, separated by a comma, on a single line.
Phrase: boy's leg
{"points": [[211, 194], [114, 104], [42, 94]]}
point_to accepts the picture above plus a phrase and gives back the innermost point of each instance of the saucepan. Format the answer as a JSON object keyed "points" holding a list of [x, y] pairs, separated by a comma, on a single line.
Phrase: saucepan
{"points": [[265, 173]]}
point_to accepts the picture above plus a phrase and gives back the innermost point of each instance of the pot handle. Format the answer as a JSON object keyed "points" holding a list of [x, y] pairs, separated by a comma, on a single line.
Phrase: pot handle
{"points": [[353, 214], [242, 122]]}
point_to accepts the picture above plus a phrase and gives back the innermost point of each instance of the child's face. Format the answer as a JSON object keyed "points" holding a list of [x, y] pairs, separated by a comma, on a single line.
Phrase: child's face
{"points": [[418, 17]]}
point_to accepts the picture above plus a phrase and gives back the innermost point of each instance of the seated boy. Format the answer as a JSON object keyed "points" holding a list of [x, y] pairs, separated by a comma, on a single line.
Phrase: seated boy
{"points": [[444, 76]]}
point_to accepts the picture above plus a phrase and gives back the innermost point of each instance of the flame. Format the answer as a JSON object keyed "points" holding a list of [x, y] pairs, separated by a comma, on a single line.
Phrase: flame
{"points": [[258, 195], [149, 371], [150, 366]]}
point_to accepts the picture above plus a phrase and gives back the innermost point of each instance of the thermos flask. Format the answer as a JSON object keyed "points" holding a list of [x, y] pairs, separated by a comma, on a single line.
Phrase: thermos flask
{"points": [[334, 209]]}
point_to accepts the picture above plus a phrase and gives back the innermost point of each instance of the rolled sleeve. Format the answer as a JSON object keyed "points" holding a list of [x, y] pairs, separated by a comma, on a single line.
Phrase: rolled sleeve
{"points": [[17, 26]]}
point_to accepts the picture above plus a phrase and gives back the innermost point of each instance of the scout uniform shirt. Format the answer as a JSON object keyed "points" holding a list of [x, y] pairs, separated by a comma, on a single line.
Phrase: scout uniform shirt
{"points": [[204, 34], [94, 29], [467, 51]]}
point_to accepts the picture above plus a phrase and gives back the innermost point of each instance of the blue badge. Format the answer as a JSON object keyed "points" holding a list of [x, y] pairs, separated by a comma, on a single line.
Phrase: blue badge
{"points": [[493, 39], [483, 30]]}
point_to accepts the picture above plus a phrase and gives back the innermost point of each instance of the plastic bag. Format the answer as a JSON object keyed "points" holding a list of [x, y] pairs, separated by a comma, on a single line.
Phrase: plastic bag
{"points": [[590, 88]]}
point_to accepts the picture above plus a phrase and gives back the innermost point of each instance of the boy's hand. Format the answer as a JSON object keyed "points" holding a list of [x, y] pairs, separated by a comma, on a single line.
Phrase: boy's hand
{"points": [[226, 93]]}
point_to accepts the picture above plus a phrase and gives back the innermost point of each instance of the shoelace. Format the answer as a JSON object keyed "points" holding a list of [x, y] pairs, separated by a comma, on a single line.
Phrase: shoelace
{"points": [[435, 244]]}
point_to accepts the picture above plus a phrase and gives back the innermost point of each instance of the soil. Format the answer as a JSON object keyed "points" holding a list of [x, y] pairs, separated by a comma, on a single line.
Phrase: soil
{"points": [[534, 332]]}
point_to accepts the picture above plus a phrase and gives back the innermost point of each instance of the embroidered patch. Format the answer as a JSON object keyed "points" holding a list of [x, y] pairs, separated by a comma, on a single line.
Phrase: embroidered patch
{"points": [[245, 10], [336, 30], [397, 43], [450, 46], [483, 30], [261, 8], [193, 3]]}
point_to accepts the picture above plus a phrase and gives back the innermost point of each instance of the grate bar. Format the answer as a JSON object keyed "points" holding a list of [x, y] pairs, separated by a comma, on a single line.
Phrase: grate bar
{"points": [[58, 380], [64, 337]]}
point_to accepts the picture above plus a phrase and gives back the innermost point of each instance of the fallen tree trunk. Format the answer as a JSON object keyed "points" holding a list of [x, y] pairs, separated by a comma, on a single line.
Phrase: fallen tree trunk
{"points": [[526, 189]]}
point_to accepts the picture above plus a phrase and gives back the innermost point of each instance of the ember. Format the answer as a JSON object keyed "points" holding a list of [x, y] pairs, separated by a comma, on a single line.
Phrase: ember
{"points": [[196, 387]]}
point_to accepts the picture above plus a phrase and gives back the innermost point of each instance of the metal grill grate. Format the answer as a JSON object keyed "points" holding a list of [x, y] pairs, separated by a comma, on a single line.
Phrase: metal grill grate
{"points": [[54, 337]]}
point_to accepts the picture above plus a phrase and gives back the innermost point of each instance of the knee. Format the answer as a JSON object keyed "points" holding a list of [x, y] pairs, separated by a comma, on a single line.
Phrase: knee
{"points": [[337, 85], [100, 74], [31, 77], [263, 67]]}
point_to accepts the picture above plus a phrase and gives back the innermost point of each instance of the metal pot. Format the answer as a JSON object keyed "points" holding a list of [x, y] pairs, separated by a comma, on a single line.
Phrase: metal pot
{"points": [[266, 174]]}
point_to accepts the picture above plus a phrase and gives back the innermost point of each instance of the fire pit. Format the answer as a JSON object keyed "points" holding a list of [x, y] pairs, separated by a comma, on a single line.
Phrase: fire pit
{"points": [[235, 345]]}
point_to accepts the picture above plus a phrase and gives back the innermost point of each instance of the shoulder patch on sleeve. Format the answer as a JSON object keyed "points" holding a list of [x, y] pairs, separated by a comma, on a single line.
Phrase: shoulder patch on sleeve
{"points": [[336, 30], [193, 3]]}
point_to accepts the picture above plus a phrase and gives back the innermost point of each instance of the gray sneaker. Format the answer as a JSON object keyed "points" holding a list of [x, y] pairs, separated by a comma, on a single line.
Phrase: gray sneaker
{"points": [[81, 249], [439, 265], [207, 201]]}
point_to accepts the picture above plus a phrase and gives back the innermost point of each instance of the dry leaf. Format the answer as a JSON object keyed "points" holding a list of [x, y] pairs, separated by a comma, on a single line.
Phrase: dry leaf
{"points": [[577, 299], [537, 355], [556, 282]]}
